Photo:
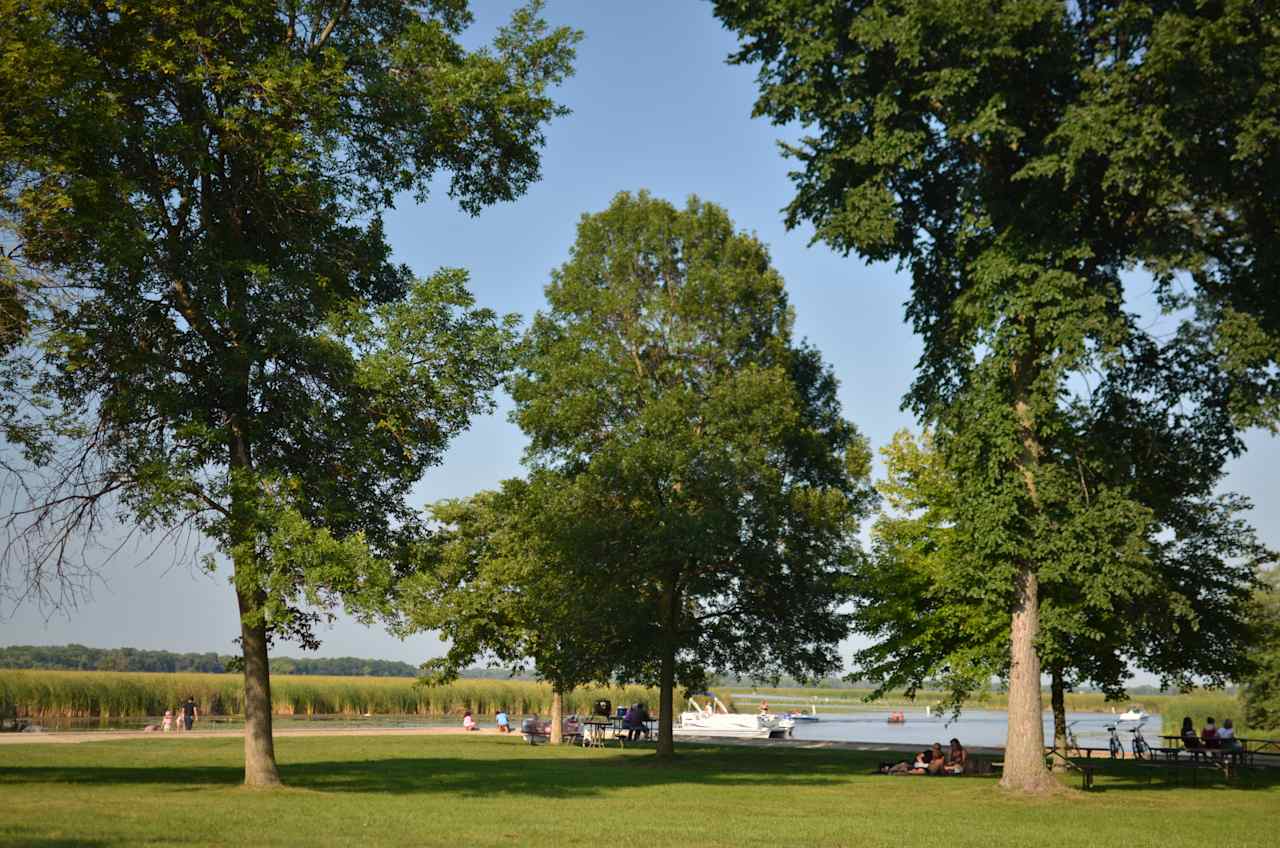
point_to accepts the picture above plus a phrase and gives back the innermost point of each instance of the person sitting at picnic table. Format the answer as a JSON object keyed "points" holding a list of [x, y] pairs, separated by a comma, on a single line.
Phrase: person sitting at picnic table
{"points": [[1210, 733], [504, 723], [633, 723], [1189, 739], [956, 758], [1227, 736], [468, 723]]}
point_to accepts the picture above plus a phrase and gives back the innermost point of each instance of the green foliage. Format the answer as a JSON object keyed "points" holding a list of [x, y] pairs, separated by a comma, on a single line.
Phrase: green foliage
{"points": [[493, 583], [209, 179], [1262, 686], [1170, 601], [1015, 157], [686, 449], [80, 657]]}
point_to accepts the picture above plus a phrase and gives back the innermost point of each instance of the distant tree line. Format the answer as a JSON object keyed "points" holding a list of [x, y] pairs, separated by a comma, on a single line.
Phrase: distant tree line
{"points": [[83, 658]]}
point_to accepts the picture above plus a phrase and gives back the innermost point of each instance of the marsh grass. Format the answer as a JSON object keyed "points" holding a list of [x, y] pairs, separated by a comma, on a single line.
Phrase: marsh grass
{"points": [[1221, 705], [107, 694]]}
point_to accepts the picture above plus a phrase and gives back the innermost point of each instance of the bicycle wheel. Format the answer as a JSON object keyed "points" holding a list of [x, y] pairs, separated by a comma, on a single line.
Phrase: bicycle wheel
{"points": [[1117, 750], [1140, 749]]}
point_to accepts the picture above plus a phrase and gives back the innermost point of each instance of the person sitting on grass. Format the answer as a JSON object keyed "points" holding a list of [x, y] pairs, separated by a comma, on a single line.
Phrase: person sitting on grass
{"points": [[937, 760], [956, 758], [504, 723], [920, 765], [468, 723]]}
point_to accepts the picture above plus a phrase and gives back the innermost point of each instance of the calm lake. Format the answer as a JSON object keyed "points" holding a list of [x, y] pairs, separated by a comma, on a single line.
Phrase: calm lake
{"points": [[983, 728]]}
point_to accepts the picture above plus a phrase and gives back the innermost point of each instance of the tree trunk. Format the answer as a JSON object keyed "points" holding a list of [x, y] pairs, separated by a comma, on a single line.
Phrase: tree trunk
{"points": [[557, 710], [667, 675], [666, 703], [1058, 700], [1024, 768], [259, 747]]}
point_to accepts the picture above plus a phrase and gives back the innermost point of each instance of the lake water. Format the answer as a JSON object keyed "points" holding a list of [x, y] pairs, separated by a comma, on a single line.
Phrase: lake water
{"points": [[981, 728]]}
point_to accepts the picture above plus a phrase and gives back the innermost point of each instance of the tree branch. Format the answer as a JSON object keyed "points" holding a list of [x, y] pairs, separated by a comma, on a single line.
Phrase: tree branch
{"points": [[328, 28]]}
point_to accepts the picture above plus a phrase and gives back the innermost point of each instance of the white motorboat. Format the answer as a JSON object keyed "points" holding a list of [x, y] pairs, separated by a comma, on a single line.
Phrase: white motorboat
{"points": [[715, 720], [1134, 713]]}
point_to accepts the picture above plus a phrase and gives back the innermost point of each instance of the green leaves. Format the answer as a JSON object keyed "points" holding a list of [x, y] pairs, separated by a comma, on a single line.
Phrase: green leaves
{"points": [[702, 456], [207, 181]]}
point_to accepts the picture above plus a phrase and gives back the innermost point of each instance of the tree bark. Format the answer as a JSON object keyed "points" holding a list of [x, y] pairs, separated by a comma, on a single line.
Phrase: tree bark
{"points": [[667, 676], [259, 746], [557, 710], [1024, 768], [1058, 700]]}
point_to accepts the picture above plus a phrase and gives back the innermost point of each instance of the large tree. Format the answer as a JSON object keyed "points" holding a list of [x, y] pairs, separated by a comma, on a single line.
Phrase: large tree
{"points": [[205, 180], [706, 466], [978, 146]]}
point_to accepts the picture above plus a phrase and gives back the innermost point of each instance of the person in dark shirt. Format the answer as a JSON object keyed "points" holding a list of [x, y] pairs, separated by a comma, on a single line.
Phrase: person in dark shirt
{"points": [[189, 712]]}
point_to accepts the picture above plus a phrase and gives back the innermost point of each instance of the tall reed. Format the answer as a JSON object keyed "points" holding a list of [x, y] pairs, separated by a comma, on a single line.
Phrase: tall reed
{"points": [[105, 694], [1200, 705]]}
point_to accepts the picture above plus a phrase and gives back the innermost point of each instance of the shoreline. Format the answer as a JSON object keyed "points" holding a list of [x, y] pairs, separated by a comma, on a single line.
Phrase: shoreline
{"points": [[73, 737]]}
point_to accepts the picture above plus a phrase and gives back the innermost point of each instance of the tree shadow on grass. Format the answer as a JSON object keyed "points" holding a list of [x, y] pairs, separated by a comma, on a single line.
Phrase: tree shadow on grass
{"points": [[488, 777], [1138, 782]]}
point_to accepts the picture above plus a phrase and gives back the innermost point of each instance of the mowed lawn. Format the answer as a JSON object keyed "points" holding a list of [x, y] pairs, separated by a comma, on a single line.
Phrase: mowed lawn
{"points": [[468, 791]]}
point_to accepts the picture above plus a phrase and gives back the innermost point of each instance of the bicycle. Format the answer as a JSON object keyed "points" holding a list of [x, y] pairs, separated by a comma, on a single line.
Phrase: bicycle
{"points": [[1141, 750], [1113, 743]]}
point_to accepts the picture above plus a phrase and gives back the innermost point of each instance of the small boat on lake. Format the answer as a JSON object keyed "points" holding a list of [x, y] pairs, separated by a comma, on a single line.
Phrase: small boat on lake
{"points": [[714, 720], [1134, 713], [812, 715]]}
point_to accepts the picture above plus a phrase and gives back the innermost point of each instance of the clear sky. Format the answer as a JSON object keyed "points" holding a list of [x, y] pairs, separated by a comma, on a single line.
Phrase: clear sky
{"points": [[656, 107]]}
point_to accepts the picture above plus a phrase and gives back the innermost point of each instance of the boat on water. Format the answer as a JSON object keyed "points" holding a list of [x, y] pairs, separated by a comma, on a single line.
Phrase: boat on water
{"points": [[794, 716], [714, 720], [1134, 713]]}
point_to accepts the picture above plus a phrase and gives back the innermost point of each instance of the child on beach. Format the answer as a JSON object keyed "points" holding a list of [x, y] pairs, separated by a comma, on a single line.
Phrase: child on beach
{"points": [[468, 723], [167, 724]]}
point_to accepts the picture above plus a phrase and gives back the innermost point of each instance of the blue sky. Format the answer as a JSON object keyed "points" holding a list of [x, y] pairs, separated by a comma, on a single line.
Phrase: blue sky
{"points": [[655, 106]]}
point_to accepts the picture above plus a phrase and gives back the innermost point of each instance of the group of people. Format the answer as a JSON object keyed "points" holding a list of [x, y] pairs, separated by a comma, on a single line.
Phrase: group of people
{"points": [[634, 722], [1211, 736], [180, 719], [933, 760]]}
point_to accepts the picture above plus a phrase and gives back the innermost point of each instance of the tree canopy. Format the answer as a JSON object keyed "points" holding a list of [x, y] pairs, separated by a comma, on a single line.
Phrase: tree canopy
{"points": [[704, 463], [206, 182], [1016, 156]]}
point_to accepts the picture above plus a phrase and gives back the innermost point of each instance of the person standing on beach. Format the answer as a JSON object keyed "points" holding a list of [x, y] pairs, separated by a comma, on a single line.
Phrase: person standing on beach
{"points": [[189, 712]]}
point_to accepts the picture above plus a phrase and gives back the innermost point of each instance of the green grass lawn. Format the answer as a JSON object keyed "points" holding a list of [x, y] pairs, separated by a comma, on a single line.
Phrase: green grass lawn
{"points": [[467, 791]]}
